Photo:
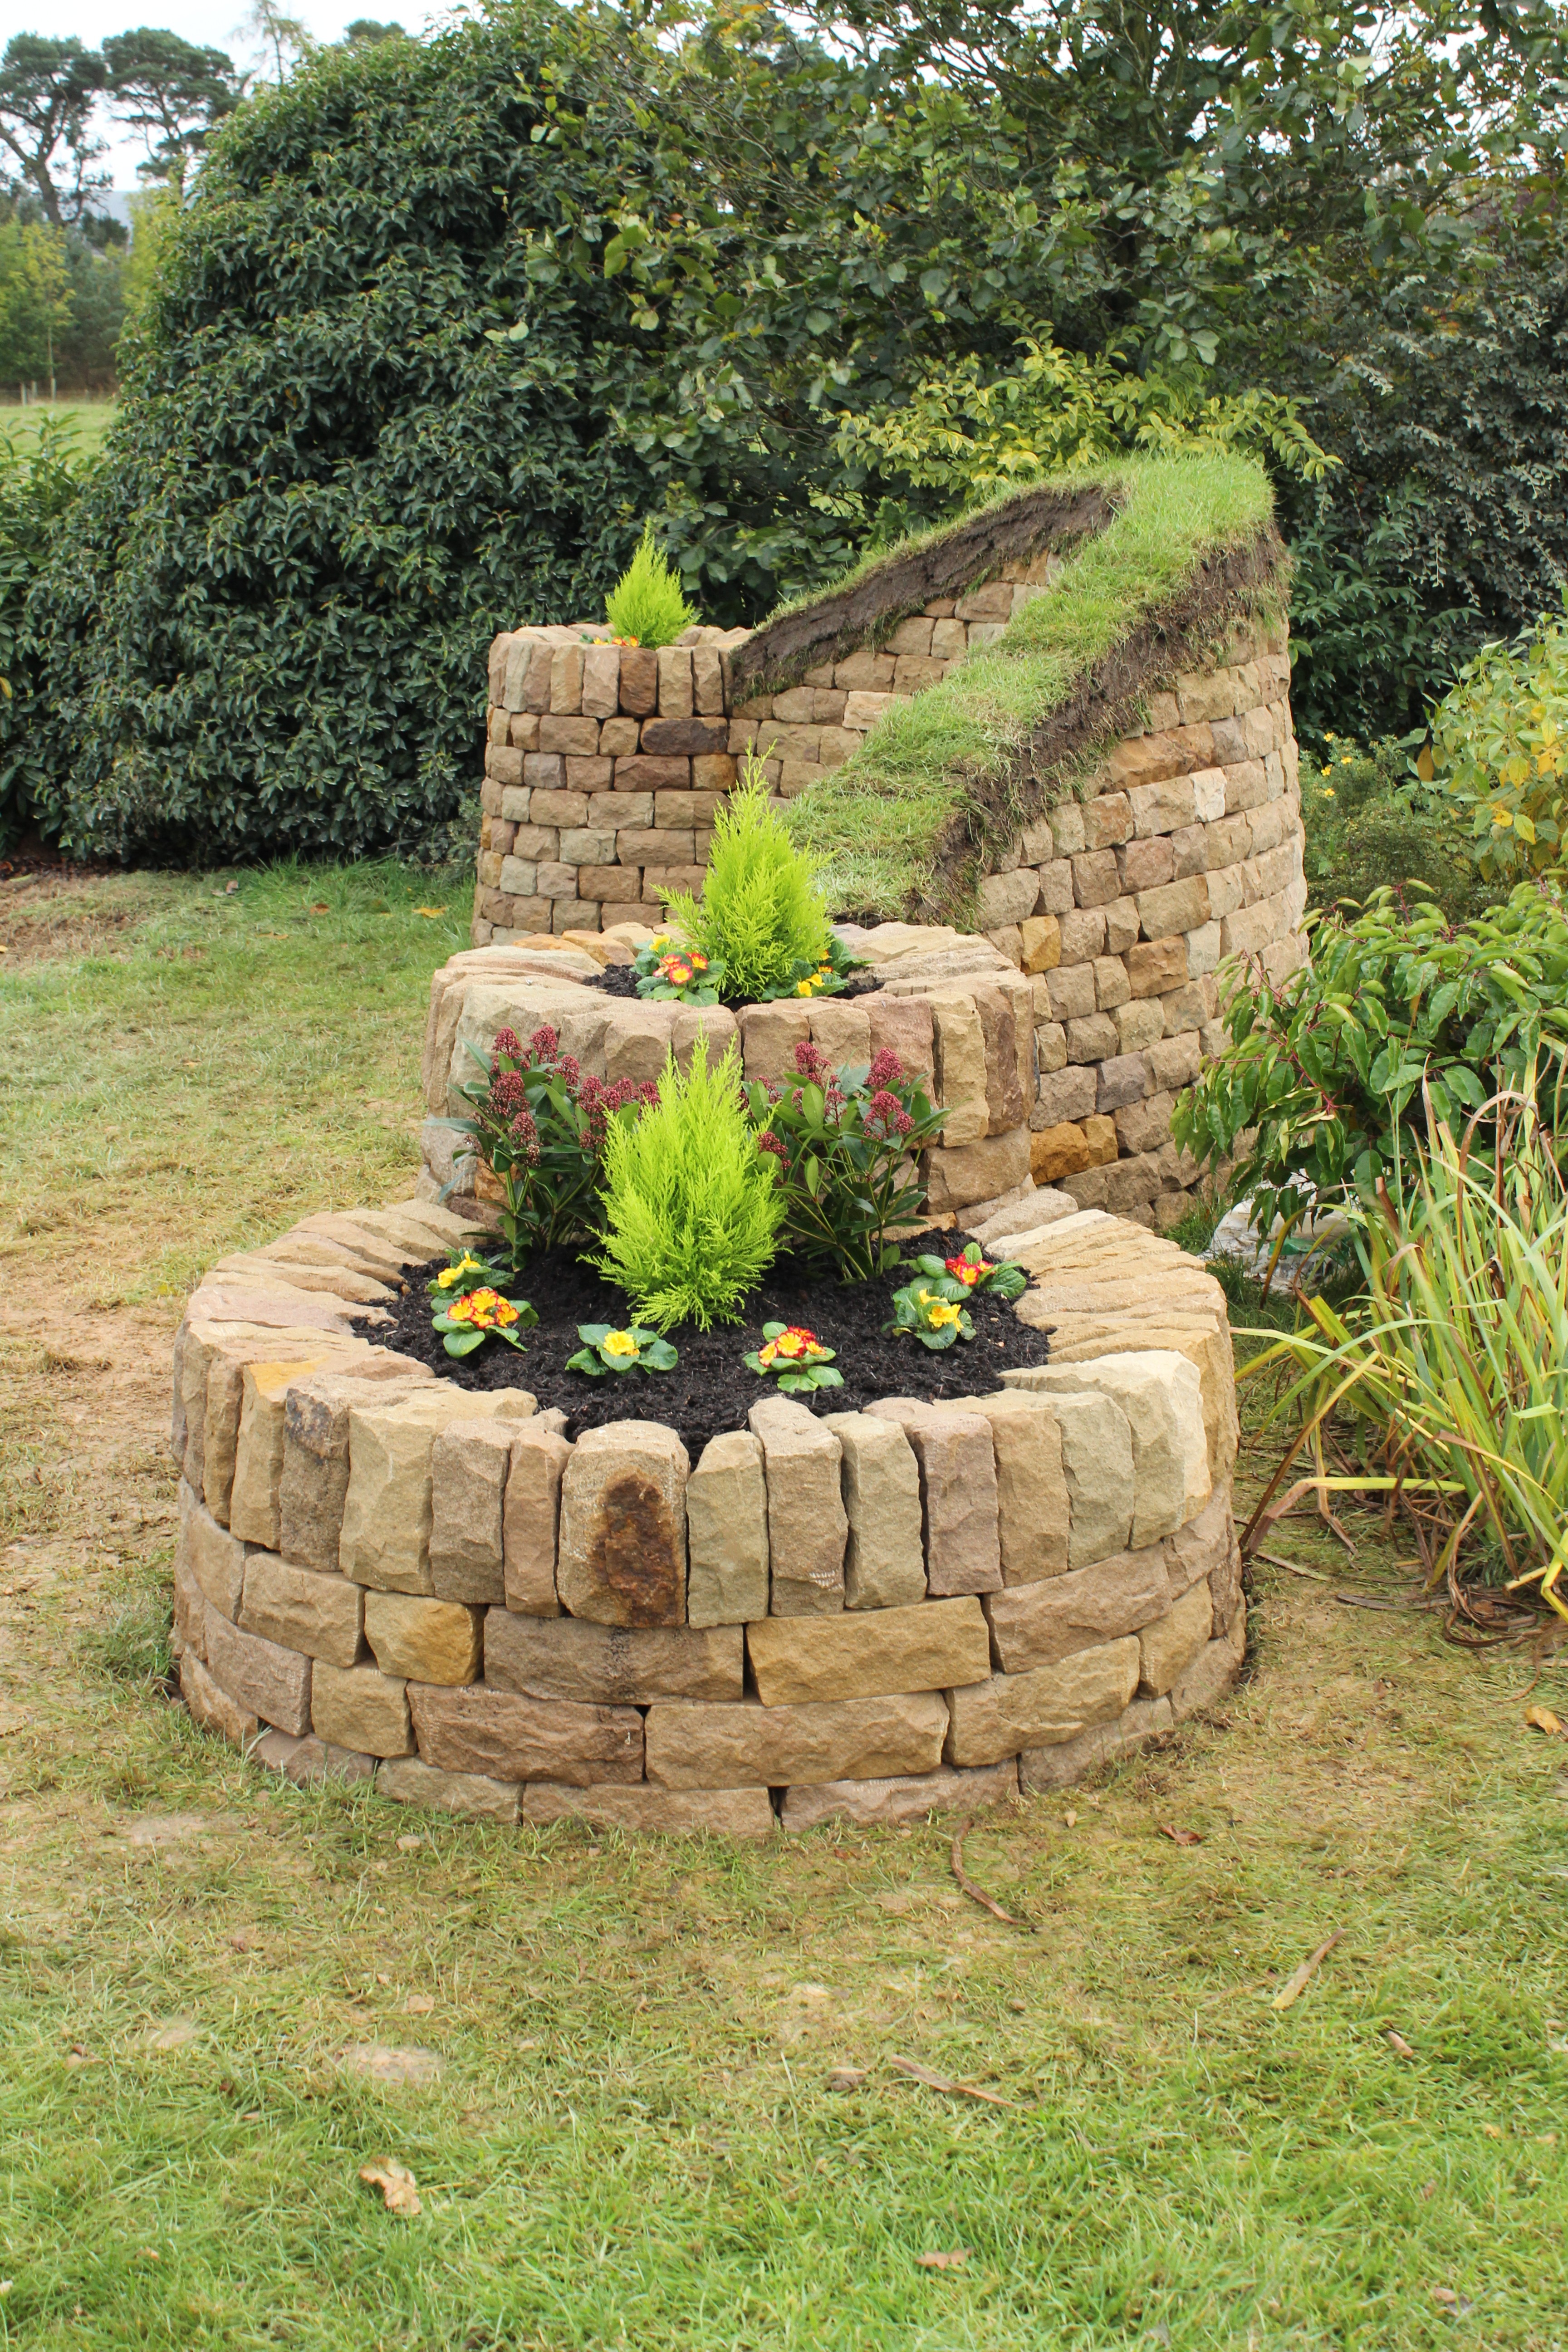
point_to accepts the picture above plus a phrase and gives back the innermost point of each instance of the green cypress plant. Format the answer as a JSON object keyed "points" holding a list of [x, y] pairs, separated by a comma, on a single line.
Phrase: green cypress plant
{"points": [[691, 1207], [646, 602], [761, 915]]}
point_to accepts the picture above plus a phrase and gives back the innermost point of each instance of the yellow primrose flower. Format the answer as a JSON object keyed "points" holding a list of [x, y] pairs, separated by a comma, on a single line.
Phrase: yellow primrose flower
{"points": [[451, 1275], [804, 987], [620, 1343]]}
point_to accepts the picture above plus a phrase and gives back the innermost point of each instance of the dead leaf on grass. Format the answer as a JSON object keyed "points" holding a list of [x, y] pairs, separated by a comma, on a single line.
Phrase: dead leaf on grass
{"points": [[1541, 1719], [171, 2033], [391, 2068], [948, 2261], [396, 2183], [419, 2004], [945, 2082], [1298, 1984], [846, 2078], [1398, 2044], [430, 913], [1180, 1837]]}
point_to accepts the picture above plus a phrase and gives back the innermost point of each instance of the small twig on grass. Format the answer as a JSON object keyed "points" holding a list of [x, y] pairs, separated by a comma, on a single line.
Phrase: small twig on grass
{"points": [[1306, 1972], [942, 2082], [977, 1894]]}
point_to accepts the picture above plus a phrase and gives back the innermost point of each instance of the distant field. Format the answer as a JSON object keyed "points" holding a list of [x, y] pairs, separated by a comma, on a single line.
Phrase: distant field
{"points": [[90, 419]]}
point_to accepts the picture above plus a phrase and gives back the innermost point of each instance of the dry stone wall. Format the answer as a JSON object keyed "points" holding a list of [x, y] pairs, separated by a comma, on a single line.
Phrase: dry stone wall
{"points": [[605, 766], [381, 1576]]}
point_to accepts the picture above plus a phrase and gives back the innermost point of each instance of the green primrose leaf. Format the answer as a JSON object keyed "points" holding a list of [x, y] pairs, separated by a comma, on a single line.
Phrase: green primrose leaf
{"points": [[586, 1360]]}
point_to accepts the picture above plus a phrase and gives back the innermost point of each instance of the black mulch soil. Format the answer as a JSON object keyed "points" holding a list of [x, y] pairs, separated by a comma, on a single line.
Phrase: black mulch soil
{"points": [[621, 980], [711, 1389]]}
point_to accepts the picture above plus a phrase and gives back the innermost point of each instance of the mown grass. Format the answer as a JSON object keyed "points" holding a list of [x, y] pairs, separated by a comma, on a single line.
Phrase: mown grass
{"points": [[88, 421], [876, 823], [631, 2141]]}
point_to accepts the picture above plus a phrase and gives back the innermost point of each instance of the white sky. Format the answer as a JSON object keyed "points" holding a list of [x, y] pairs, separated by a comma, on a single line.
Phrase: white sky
{"points": [[210, 23]]}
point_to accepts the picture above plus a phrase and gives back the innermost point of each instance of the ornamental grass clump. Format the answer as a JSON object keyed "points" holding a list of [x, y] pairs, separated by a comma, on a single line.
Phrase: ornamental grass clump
{"points": [[645, 606], [1445, 1388], [691, 1209], [761, 919]]}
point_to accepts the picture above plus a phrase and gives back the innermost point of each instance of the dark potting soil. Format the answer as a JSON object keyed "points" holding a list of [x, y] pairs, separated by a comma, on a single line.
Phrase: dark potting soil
{"points": [[711, 1389], [621, 980]]}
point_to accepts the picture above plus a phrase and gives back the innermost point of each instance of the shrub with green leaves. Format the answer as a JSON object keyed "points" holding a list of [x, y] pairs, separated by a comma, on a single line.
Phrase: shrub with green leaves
{"points": [[1371, 821], [645, 604], [692, 1210], [845, 1143], [1499, 748], [761, 915], [1330, 1075]]}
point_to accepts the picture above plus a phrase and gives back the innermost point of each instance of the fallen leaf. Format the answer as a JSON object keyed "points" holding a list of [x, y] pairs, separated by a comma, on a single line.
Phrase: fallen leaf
{"points": [[1180, 1837], [945, 2082], [1492, 2131], [1541, 1719], [952, 2262], [396, 2183], [174, 2033], [1428, 2190], [1445, 2294], [243, 1939], [1305, 1973], [1397, 2044], [419, 2004], [846, 2078], [391, 2068], [321, 907], [229, 888], [430, 913], [409, 1845], [150, 2254], [1069, 1821]]}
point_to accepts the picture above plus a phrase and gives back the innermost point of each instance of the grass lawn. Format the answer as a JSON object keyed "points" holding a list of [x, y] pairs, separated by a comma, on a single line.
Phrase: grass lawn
{"points": [[90, 420], [623, 2135]]}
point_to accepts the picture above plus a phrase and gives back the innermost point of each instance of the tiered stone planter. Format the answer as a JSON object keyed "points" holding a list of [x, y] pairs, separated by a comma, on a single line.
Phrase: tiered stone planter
{"points": [[1180, 845], [381, 1575]]}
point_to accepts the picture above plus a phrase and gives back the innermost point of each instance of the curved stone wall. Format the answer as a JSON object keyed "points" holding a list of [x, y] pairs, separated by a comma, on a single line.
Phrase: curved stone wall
{"points": [[383, 1575]]}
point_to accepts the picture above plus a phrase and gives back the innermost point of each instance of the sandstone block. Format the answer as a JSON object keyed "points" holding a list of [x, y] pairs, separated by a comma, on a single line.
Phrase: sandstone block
{"points": [[424, 1641], [623, 1526], [1212, 1672], [795, 1660], [909, 1798], [211, 1706], [315, 1482], [768, 1035], [958, 1494], [639, 680], [468, 1462], [1041, 944], [1064, 1098], [360, 1709], [1008, 898], [470, 1728], [1097, 1463], [1160, 1396], [1032, 1507], [767, 1746], [385, 1540], [996, 1719], [667, 1812], [190, 1612], [841, 1032], [960, 1047], [408, 1781], [1038, 1624], [309, 1760], [1174, 907], [259, 1450], [727, 1532], [1123, 1078], [302, 1609], [1170, 1642], [529, 1515], [884, 1565], [567, 1657], [1058, 1152], [637, 1040], [210, 1554], [1044, 1768], [272, 1682], [977, 1171], [1205, 1547], [807, 1528]]}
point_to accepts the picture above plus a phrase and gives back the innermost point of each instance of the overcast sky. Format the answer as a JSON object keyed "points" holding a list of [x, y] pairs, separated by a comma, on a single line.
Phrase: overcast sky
{"points": [[210, 23]]}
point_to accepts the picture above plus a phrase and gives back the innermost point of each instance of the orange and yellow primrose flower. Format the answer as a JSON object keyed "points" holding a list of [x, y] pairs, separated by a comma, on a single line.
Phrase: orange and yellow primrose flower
{"points": [[487, 1310], [796, 1346], [968, 1271], [619, 1343]]}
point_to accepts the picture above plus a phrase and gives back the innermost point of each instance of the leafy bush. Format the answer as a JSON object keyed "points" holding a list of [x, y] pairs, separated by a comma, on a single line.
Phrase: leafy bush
{"points": [[39, 483], [844, 1143], [645, 604], [1371, 821], [1327, 1081], [1454, 1365], [1500, 748], [542, 1129], [692, 1210], [761, 915]]}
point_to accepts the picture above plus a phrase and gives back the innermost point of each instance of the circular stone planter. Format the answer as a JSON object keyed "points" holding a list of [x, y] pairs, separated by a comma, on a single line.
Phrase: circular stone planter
{"points": [[872, 1615]]}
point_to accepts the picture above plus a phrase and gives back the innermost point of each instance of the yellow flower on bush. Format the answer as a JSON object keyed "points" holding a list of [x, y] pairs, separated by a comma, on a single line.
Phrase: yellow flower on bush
{"points": [[795, 1345], [619, 1343], [450, 1276], [939, 1312]]}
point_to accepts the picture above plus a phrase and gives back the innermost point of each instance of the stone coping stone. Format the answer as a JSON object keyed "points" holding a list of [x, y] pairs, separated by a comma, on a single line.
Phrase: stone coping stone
{"points": [[865, 1616]]}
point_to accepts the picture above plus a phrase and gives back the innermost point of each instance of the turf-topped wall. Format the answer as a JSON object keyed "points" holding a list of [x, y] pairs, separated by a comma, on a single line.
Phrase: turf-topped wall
{"points": [[1064, 722]]}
